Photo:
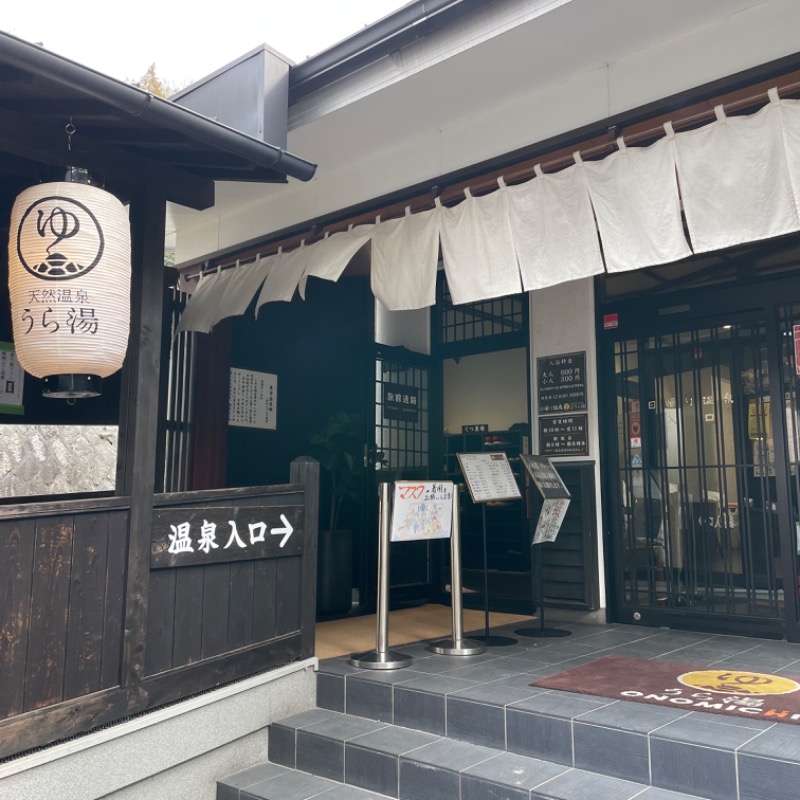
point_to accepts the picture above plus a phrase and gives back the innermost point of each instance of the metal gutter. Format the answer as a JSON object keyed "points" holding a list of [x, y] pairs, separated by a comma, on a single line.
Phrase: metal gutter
{"points": [[387, 35], [137, 103]]}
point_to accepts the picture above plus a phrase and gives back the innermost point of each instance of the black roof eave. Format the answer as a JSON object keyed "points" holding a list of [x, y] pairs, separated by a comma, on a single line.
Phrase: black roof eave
{"points": [[256, 157]]}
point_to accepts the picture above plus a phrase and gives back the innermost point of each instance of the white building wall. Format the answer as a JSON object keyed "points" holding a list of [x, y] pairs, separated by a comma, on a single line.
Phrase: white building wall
{"points": [[177, 752], [532, 70]]}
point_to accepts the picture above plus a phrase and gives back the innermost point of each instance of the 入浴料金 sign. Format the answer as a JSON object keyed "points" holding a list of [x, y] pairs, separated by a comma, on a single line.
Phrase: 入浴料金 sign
{"points": [[564, 435], [561, 383]]}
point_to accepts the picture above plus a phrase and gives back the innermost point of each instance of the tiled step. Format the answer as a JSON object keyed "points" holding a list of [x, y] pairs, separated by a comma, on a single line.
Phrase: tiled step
{"points": [[273, 782], [473, 728], [415, 765], [488, 700]]}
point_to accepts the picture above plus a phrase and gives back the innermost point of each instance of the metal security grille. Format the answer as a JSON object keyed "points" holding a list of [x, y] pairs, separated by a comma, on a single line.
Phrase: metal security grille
{"points": [[505, 315], [179, 397], [789, 318], [696, 500]]}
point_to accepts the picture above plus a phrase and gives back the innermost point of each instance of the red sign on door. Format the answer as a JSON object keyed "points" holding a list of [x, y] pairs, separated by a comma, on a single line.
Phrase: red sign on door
{"points": [[796, 332]]}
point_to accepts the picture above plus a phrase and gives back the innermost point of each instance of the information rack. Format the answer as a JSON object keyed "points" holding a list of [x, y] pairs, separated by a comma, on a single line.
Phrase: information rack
{"points": [[556, 498], [489, 478]]}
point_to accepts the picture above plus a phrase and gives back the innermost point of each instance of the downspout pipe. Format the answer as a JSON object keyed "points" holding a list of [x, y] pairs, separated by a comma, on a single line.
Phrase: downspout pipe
{"points": [[139, 103]]}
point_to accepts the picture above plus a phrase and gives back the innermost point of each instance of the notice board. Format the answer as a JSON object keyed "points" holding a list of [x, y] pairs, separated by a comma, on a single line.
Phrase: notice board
{"points": [[488, 476]]}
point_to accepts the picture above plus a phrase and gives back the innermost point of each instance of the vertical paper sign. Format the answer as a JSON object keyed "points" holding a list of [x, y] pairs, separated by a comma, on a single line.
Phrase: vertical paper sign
{"points": [[555, 493], [796, 333], [253, 399], [11, 381], [422, 510], [550, 519]]}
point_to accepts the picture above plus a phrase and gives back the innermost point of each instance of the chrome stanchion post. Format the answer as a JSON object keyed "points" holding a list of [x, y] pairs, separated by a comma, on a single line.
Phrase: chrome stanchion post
{"points": [[381, 657], [458, 645]]}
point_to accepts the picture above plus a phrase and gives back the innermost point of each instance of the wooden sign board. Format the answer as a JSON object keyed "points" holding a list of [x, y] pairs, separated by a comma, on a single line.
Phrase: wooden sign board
{"points": [[184, 537], [422, 510], [488, 476], [545, 476]]}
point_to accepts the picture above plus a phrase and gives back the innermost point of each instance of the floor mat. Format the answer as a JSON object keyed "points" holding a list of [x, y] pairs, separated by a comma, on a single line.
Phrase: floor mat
{"points": [[738, 693]]}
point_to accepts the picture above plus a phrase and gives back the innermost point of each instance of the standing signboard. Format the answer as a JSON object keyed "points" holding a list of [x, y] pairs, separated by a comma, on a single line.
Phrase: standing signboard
{"points": [[489, 478], [556, 499]]}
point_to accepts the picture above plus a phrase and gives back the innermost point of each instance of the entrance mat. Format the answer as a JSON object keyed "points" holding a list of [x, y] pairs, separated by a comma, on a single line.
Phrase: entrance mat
{"points": [[737, 693]]}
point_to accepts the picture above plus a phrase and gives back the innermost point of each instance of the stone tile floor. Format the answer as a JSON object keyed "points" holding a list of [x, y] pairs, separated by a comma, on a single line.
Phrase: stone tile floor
{"points": [[469, 728]]}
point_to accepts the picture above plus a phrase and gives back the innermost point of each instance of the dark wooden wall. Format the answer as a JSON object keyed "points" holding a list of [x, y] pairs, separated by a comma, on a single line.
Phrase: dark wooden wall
{"points": [[64, 589], [570, 566], [62, 577], [197, 612]]}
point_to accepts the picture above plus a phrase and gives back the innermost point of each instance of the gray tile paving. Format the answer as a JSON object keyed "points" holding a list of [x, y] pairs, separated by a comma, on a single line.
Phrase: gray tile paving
{"points": [[559, 744]]}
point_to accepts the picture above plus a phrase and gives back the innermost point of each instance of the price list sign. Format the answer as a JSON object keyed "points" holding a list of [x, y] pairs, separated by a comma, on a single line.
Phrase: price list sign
{"points": [[488, 476], [561, 383]]}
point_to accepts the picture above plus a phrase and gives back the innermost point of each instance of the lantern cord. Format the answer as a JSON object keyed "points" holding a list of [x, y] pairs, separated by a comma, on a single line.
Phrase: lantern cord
{"points": [[70, 130]]}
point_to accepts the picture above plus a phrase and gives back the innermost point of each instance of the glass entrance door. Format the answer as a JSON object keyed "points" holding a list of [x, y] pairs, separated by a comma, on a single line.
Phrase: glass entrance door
{"points": [[696, 512]]}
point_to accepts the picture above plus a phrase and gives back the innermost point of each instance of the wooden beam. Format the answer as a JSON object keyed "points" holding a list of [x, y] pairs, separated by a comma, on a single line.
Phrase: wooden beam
{"points": [[306, 470]]}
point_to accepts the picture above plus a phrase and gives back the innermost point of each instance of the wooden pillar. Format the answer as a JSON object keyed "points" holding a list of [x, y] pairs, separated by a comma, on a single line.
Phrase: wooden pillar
{"points": [[305, 470], [139, 423]]}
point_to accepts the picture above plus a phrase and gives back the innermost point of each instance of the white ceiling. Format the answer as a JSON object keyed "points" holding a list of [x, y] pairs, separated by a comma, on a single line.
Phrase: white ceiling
{"points": [[437, 90]]}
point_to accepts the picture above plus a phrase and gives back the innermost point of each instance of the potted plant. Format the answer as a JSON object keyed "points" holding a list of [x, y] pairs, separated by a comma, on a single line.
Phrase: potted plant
{"points": [[338, 446]]}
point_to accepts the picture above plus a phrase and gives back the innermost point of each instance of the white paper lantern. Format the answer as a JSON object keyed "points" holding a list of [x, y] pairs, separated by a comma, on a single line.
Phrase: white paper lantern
{"points": [[69, 259]]}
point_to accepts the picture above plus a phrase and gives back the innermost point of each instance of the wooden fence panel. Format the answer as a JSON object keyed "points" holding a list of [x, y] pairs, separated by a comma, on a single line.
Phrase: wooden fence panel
{"points": [[289, 589], [87, 593], [160, 622], [47, 641], [216, 582], [17, 539], [188, 646], [115, 599], [240, 605], [66, 585], [265, 594]]}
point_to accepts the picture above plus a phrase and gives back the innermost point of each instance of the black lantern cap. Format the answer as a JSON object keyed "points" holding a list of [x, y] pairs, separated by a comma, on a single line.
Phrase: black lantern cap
{"points": [[72, 386]]}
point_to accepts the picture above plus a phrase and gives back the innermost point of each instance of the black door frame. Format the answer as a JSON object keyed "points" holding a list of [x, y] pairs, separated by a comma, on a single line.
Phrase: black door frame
{"points": [[670, 312]]}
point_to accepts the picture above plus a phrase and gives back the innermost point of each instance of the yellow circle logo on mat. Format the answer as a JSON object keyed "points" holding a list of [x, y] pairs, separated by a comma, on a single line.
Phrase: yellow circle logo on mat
{"points": [[729, 681]]}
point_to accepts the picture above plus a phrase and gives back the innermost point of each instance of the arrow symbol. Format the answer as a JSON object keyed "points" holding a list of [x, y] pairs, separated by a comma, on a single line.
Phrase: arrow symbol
{"points": [[287, 530]]}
